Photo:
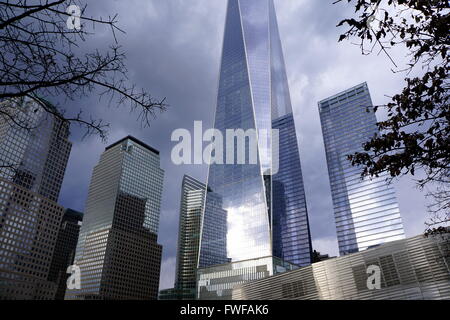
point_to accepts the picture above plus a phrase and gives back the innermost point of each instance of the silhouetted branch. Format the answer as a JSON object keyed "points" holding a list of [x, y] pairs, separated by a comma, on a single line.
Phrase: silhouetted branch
{"points": [[416, 134], [38, 59]]}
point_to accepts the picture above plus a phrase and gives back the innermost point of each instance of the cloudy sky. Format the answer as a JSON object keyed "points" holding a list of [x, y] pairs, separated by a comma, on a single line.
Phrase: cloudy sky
{"points": [[173, 50]]}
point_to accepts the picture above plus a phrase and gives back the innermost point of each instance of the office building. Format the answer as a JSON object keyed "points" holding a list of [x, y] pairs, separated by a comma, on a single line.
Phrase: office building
{"points": [[117, 250], [34, 150], [64, 252], [29, 225], [176, 294], [191, 210], [366, 210], [255, 222]]}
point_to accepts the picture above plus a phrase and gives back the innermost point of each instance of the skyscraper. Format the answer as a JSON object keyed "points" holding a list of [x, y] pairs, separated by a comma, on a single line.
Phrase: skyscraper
{"points": [[34, 147], [29, 225], [117, 250], [64, 252], [255, 219], [366, 211], [191, 210], [34, 150]]}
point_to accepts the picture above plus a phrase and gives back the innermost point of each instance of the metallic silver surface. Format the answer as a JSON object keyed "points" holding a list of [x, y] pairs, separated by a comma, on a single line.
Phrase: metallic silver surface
{"points": [[411, 269]]}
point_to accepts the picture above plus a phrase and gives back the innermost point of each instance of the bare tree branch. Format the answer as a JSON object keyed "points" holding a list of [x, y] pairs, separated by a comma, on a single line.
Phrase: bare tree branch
{"points": [[416, 134], [38, 59]]}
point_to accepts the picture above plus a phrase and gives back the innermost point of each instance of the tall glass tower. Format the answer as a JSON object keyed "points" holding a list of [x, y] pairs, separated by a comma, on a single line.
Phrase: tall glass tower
{"points": [[34, 150], [255, 216], [34, 158], [191, 210], [64, 252], [366, 211], [117, 249]]}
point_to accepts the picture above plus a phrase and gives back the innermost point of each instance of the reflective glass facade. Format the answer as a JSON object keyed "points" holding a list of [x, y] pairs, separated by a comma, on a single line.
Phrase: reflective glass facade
{"points": [[191, 210], [249, 213], [218, 282], [117, 250], [37, 158], [366, 211], [290, 230], [64, 252], [34, 150]]}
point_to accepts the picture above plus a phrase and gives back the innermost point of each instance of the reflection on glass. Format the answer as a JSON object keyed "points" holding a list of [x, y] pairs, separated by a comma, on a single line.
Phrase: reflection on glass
{"points": [[249, 214], [366, 210]]}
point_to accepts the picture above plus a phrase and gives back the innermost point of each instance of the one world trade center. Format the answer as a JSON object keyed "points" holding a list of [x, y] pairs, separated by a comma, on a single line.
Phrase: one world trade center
{"points": [[255, 221]]}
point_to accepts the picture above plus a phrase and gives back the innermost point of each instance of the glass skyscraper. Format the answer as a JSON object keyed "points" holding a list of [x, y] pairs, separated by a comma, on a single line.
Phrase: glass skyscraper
{"points": [[255, 216], [64, 252], [34, 150], [117, 249], [366, 210], [191, 210]]}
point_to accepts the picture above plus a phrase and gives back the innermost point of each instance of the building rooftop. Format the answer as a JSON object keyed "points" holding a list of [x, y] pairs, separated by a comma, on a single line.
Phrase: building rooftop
{"points": [[74, 213], [134, 140], [337, 95]]}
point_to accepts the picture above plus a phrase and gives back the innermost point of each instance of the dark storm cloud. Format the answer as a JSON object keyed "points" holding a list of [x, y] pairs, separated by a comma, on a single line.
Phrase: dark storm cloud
{"points": [[318, 67], [173, 50]]}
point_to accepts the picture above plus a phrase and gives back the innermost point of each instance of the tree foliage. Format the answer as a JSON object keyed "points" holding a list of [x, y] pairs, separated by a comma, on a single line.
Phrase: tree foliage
{"points": [[416, 133], [40, 57]]}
